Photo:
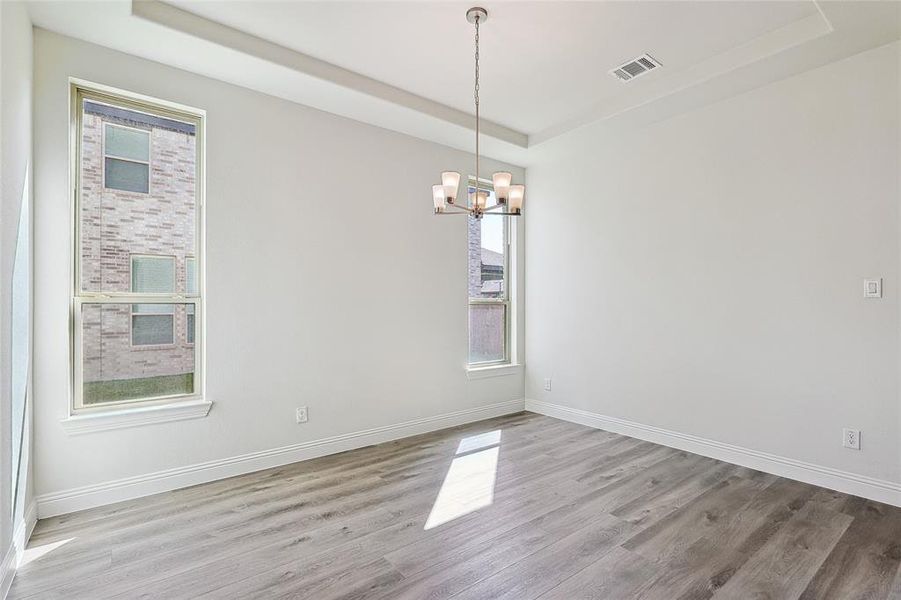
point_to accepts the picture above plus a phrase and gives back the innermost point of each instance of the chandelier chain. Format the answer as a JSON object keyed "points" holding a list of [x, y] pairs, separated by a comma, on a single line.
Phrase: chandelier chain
{"points": [[477, 62], [476, 96]]}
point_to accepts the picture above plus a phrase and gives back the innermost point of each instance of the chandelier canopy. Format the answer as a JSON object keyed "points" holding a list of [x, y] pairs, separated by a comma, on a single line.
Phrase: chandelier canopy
{"points": [[509, 196]]}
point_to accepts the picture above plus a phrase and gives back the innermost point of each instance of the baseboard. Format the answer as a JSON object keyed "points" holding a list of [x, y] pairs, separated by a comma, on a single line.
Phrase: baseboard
{"points": [[17, 548], [842, 481], [91, 496], [7, 570], [24, 530]]}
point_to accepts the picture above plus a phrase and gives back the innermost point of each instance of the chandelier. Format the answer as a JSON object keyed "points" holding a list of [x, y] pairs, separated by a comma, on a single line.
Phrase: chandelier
{"points": [[509, 197]]}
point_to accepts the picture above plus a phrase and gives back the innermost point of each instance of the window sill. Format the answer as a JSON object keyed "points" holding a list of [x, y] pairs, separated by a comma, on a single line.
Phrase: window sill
{"points": [[493, 371], [135, 416]]}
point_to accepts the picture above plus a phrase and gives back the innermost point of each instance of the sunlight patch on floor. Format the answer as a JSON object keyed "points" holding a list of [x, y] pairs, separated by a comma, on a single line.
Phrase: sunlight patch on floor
{"points": [[475, 442], [469, 483], [35, 552]]}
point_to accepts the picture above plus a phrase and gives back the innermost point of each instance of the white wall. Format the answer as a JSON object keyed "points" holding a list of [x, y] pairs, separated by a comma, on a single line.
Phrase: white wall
{"points": [[704, 274], [15, 155], [330, 284]]}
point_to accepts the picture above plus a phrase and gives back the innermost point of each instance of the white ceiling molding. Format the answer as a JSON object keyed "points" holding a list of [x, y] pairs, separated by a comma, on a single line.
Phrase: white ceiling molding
{"points": [[666, 84], [549, 79], [228, 37]]}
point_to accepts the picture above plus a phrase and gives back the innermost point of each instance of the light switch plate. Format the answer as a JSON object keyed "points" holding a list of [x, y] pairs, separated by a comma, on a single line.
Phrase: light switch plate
{"points": [[872, 288]]}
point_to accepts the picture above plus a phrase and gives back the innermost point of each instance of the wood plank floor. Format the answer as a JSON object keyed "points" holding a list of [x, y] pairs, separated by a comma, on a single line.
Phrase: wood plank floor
{"points": [[518, 507]]}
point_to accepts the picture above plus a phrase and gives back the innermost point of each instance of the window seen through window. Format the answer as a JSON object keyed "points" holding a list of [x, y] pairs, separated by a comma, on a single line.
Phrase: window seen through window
{"points": [[126, 158]]}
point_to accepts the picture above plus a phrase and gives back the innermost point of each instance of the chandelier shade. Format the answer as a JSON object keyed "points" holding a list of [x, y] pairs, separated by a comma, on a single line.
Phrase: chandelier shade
{"points": [[509, 197], [451, 182], [502, 183], [438, 195], [517, 193]]}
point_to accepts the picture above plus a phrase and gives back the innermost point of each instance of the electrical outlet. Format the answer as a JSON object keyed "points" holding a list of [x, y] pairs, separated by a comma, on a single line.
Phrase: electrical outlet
{"points": [[301, 414], [851, 438], [547, 384]]}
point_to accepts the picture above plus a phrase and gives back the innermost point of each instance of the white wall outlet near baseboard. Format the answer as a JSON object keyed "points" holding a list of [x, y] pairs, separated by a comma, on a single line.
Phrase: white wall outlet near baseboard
{"points": [[851, 438], [547, 384], [300, 414]]}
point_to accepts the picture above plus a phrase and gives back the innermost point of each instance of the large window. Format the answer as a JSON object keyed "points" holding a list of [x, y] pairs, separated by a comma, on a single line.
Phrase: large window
{"points": [[138, 250], [489, 295]]}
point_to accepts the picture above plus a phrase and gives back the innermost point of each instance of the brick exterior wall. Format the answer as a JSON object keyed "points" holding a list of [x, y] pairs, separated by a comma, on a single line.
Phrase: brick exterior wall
{"points": [[475, 257], [117, 224]]}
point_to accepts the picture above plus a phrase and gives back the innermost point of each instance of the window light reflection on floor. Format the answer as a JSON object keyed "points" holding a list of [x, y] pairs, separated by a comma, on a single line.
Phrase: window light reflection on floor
{"points": [[33, 553], [469, 483]]}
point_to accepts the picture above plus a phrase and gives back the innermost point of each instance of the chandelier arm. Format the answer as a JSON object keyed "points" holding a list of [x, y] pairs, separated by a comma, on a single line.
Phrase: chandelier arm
{"points": [[459, 210]]}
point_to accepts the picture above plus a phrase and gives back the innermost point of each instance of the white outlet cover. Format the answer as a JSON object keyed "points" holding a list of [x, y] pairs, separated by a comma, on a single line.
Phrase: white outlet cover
{"points": [[851, 438], [547, 384], [301, 414]]}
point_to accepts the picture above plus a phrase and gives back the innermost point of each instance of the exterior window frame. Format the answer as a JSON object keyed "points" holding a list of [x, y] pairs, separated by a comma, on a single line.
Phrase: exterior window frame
{"points": [[190, 342], [194, 403], [488, 186], [132, 160]]}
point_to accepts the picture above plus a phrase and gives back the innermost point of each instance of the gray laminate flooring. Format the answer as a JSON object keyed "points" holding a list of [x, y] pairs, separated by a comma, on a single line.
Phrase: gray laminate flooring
{"points": [[522, 506]]}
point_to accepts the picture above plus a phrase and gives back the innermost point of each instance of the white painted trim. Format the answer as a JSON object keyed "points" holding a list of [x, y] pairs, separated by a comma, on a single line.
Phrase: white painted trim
{"points": [[89, 422], [672, 83], [24, 530], [175, 18], [7, 570], [17, 549], [843, 481], [493, 371], [66, 501]]}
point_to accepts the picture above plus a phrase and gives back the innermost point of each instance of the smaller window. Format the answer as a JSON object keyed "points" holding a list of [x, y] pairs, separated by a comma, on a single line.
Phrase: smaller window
{"points": [[489, 298], [126, 159], [152, 324], [152, 274]]}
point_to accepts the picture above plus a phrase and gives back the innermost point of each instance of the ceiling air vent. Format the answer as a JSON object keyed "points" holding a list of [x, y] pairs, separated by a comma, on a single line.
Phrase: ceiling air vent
{"points": [[635, 68]]}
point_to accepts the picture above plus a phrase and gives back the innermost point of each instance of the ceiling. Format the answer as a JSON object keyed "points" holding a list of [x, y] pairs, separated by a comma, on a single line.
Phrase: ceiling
{"points": [[408, 66], [541, 62]]}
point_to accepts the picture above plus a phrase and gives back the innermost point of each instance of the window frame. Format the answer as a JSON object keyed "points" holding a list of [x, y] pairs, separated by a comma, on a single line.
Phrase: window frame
{"points": [[189, 342], [140, 162], [132, 313], [506, 301], [172, 407]]}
